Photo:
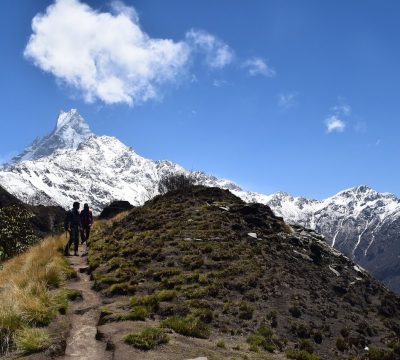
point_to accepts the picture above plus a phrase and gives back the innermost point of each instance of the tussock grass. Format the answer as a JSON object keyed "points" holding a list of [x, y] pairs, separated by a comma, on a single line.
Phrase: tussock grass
{"points": [[30, 296], [188, 326], [31, 340], [148, 339]]}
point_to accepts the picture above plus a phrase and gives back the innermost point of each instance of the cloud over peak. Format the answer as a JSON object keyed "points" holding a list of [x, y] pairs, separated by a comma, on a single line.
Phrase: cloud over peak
{"points": [[258, 66], [333, 123], [107, 56], [218, 54]]}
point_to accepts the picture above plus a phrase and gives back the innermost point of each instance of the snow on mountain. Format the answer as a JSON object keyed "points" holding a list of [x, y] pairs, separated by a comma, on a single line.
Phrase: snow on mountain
{"points": [[100, 170], [360, 222], [71, 129], [74, 164]]}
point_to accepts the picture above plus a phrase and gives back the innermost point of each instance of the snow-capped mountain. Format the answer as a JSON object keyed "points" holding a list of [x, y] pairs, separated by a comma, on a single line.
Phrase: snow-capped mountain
{"points": [[71, 129], [360, 222], [73, 164]]}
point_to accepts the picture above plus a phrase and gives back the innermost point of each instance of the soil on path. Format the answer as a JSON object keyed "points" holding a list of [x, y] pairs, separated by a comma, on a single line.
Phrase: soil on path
{"points": [[84, 317]]}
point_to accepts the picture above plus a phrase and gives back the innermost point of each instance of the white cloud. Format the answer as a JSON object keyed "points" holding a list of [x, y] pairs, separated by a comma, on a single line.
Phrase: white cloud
{"points": [[105, 56], [219, 83], [333, 123], [258, 66], [342, 109], [218, 54], [287, 101]]}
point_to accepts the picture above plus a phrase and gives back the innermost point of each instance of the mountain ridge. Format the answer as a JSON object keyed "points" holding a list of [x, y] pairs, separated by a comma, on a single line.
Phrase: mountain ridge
{"points": [[362, 223], [70, 130]]}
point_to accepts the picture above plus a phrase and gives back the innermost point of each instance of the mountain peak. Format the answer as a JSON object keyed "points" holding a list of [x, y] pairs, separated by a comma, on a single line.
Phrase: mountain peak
{"points": [[71, 130], [68, 117]]}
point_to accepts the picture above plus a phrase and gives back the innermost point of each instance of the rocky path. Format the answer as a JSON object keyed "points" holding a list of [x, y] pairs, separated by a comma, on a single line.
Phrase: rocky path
{"points": [[82, 343]]}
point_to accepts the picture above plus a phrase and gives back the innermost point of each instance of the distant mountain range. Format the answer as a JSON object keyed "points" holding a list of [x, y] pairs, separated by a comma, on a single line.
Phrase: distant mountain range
{"points": [[72, 163]]}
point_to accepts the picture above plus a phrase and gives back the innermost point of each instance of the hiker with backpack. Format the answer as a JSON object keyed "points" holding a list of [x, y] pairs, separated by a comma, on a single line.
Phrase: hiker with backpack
{"points": [[87, 222], [73, 225]]}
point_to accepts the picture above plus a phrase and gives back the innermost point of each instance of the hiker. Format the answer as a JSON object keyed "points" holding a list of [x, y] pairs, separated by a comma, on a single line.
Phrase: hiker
{"points": [[87, 222], [73, 225]]}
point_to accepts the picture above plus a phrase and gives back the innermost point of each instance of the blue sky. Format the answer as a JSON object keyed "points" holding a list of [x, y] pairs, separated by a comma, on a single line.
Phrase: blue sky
{"points": [[295, 96]]}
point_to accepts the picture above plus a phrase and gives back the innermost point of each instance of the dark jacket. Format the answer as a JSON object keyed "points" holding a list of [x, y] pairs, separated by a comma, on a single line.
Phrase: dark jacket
{"points": [[86, 217], [72, 220]]}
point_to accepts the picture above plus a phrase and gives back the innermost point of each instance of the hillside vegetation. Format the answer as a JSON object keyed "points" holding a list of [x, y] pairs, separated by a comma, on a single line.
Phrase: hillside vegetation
{"points": [[31, 297], [201, 264], [23, 225]]}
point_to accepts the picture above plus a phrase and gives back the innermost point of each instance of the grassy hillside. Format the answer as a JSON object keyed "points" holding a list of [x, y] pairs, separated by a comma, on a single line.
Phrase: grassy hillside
{"points": [[201, 263], [31, 297]]}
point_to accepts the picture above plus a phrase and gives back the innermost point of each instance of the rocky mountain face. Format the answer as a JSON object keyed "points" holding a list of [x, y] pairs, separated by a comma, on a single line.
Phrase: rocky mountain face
{"points": [[73, 164], [202, 263], [360, 222], [70, 130]]}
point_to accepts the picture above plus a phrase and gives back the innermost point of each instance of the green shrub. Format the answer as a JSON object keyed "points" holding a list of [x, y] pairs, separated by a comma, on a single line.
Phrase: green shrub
{"points": [[145, 300], [265, 331], [165, 295], [255, 342], [140, 313], [29, 340], [221, 344], [147, 339], [205, 315], [306, 346], [262, 339], [188, 326], [121, 289], [16, 231], [175, 182], [64, 296]]}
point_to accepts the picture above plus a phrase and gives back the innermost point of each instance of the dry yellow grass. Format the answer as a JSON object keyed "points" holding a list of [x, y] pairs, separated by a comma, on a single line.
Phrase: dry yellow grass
{"points": [[30, 294]]}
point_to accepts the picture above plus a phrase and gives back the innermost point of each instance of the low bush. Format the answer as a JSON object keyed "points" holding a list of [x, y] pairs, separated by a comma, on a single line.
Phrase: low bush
{"points": [[255, 342], [175, 182], [16, 231], [30, 340], [306, 346], [221, 344], [148, 339], [188, 326], [263, 339], [140, 313]]}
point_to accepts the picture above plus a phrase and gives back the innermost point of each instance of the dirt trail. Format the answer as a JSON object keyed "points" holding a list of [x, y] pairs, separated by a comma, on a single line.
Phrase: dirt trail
{"points": [[82, 343]]}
